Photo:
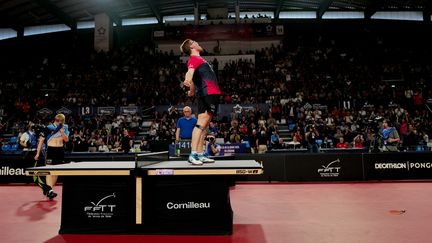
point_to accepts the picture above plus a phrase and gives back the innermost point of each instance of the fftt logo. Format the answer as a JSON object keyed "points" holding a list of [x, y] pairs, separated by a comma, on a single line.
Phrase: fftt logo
{"points": [[328, 169], [99, 207]]}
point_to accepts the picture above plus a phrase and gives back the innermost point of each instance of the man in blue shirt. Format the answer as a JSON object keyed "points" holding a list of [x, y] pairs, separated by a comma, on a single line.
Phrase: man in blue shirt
{"points": [[185, 125]]}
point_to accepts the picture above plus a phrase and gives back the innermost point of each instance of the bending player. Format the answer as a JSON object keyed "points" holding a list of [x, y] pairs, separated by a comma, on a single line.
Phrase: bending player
{"points": [[57, 135], [202, 82]]}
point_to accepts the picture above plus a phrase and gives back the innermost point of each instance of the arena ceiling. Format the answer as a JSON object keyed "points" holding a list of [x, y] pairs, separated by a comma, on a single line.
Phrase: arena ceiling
{"points": [[19, 13]]}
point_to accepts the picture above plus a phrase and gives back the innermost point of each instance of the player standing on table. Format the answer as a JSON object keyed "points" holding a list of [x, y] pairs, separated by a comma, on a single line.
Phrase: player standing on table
{"points": [[202, 82]]}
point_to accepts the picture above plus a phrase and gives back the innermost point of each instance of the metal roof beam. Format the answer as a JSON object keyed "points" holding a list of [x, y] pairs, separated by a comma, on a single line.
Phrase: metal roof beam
{"points": [[373, 8], [57, 12], [113, 16], [323, 7], [278, 9], [154, 10], [427, 12]]}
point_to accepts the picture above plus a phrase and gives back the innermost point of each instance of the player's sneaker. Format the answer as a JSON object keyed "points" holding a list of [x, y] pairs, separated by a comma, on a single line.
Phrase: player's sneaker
{"points": [[193, 159], [203, 158], [51, 195], [45, 189]]}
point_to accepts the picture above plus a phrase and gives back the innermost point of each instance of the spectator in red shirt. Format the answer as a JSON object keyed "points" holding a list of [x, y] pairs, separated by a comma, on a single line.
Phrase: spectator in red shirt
{"points": [[358, 142], [342, 144]]}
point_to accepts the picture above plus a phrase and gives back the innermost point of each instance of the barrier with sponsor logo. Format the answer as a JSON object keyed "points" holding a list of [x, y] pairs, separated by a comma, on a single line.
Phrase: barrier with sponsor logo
{"points": [[308, 167], [97, 204], [184, 205], [324, 167], [277, 166], [12, 167], [397, 166]]}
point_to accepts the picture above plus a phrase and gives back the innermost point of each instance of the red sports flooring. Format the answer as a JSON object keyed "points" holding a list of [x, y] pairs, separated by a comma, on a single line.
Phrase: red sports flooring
{"points": [[345, 213]]}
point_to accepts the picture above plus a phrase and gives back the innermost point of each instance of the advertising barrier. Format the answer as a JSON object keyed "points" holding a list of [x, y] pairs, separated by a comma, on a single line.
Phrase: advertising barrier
{"points": [[397, 166], [324, 167], [12, 167], [298, 167]]}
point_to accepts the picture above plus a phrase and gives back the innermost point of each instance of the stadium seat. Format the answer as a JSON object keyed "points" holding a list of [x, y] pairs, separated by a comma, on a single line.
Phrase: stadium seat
{"points": [[13, 140], [6, 147], [291, 127], [13, 147]]}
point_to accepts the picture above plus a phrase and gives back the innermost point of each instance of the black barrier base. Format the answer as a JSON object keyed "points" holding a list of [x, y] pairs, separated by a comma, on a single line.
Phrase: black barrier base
{"points": [[194, 205], [97, 205]]}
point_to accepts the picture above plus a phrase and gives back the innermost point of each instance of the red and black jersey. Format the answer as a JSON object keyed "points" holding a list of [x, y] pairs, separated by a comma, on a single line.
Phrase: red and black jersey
{"points": [[204, 77]]}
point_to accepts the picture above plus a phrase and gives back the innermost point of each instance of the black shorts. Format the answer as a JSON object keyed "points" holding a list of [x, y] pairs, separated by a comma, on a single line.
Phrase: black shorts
{"points": [[208, 103], [55, 155]]}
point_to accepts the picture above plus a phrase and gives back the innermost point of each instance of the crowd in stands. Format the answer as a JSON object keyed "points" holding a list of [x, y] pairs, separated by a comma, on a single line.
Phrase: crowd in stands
{"points": [[342, 91]]}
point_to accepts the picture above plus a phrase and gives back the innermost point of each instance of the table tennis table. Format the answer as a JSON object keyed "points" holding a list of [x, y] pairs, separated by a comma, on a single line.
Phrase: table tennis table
{"points": [[164, 197]]}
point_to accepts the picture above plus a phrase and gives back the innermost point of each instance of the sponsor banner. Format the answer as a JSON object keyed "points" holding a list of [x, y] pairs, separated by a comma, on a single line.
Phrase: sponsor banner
{"points": [[166, 108], [232, 148], [223, 109], [45, 111], [319, 106], [223, 59], [158, 33], [186, 204], [226, 109], [398, 166], [183, 147], [129, 110], [64, 111], [106, 111], [218, 32], [324, 167], [12, 167], [221, 32]]}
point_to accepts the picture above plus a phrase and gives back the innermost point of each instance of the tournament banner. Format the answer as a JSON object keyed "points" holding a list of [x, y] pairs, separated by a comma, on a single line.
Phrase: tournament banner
{"points": [[324, 167], [103, 32], [398, 166]]}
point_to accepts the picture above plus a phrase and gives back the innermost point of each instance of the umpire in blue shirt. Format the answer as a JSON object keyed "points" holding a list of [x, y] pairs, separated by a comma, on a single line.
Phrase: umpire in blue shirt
{"points": [[185, 125]]}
